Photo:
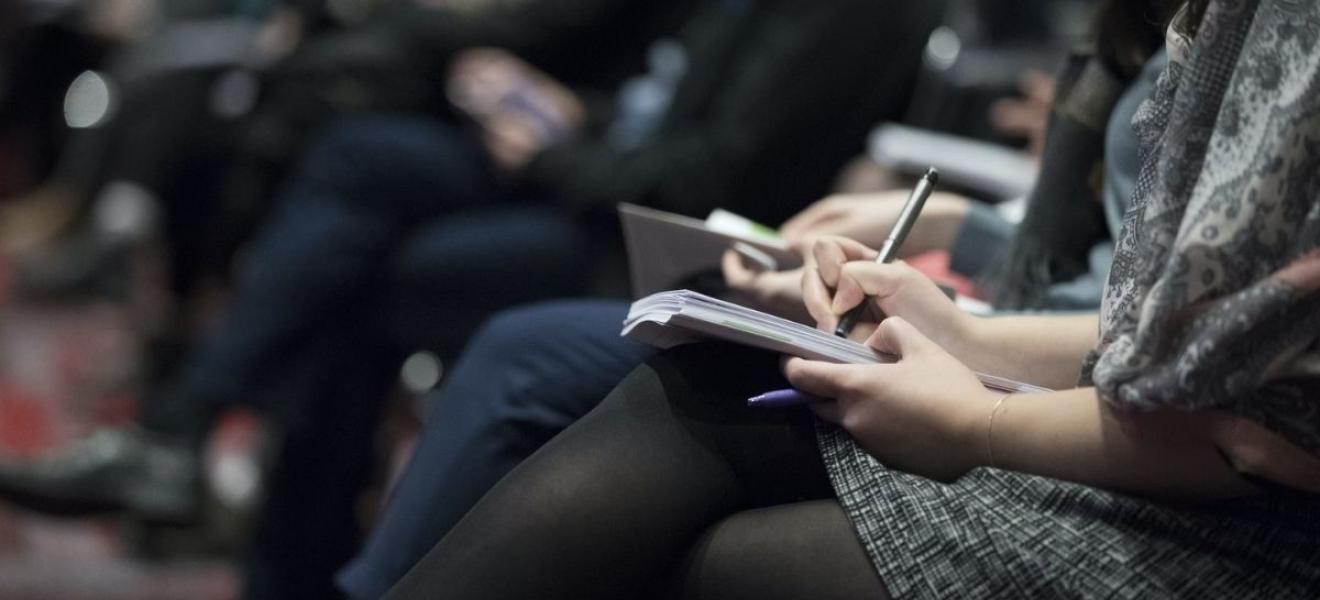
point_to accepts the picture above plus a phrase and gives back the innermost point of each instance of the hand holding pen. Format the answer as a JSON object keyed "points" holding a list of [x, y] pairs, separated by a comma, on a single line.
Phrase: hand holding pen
{"points": [[906, 219], [827, 289]]}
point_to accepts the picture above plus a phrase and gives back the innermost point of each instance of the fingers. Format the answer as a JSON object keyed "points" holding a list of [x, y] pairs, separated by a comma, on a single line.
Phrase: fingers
{"points": [[840, 386], [831, 253], [484, 59], [823, 379], [847, 295], [481, 79], [816, 297], [820, 211], [511, 141], [1037, 86], [736, 274], [857, 280], [897, 336]]}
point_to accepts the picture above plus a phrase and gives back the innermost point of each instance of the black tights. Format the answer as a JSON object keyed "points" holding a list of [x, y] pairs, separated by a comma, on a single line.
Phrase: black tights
{"points": [[672, 487]]}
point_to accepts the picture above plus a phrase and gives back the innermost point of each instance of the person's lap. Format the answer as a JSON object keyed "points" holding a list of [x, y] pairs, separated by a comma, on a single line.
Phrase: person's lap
{"points": [[450, 275], [611, 507], [363, 187], [345, 285]]}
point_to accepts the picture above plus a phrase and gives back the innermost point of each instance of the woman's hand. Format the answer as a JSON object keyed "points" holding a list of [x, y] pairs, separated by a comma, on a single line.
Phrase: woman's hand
{"points": [[869, 217], [775, 292], [925, 414], [840, 273]]}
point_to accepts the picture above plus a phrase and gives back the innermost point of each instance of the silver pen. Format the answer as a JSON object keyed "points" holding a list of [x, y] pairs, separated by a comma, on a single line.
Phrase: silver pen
{"points": [[906, 218]]}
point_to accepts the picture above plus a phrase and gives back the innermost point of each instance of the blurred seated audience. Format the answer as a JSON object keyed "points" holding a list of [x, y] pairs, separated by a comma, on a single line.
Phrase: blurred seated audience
{"points": [[210, 102], [912, 479], [533, 371], [386, 238]]}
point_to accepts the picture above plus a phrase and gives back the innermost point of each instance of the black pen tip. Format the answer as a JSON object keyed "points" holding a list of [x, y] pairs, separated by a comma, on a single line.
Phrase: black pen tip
{"points": [[933, 175]]}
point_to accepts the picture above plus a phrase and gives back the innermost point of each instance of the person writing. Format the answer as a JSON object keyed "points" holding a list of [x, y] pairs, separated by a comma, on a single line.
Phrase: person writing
{"points": [[1179, 457], [531, 372]]}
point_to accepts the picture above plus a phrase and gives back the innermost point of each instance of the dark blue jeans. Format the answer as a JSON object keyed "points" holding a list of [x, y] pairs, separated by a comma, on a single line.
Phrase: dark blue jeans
{"points": [[526, 376], [393, 220], [392, 237]]}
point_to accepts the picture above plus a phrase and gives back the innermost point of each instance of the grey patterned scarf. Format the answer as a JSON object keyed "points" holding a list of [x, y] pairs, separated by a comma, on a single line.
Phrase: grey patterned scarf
{"points": [[1212, 299]]}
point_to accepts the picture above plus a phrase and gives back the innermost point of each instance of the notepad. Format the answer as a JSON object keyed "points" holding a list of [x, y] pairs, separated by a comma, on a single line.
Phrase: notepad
{"points": [[675, 317], [665, 248]]}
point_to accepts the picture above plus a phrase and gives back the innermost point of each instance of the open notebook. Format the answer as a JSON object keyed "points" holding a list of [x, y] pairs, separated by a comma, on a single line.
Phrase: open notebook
{"points": [[667, 319]]}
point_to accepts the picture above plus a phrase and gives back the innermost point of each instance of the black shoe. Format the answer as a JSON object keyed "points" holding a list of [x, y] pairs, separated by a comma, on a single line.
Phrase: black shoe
{"points": [[114, 470]]}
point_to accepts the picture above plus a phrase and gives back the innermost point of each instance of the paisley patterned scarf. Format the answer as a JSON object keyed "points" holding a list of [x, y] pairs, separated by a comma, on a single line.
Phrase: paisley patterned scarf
{"points": [[1212, 300]]}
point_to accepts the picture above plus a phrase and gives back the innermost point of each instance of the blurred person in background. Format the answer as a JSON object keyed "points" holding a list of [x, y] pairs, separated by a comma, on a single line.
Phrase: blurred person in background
{"points": [[393, 212], [191, 111]]}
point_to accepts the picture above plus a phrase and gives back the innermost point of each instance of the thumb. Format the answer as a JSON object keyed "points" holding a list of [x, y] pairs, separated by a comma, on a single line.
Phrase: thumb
{"points": [[823, 379], [896, 336]]}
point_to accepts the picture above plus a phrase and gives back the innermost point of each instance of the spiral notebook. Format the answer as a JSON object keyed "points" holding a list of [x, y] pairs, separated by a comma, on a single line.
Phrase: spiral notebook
{"points": [[670, 318]]}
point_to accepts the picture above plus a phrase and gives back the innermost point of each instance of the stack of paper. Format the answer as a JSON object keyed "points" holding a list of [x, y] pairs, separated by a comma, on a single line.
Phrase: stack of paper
{"points": [[675, 317]]}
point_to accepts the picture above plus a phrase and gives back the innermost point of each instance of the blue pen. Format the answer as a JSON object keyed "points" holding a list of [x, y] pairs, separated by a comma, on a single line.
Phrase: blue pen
{"points": [[779, 398]]}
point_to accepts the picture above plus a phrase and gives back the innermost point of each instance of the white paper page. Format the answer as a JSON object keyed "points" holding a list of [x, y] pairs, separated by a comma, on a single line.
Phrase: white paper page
{"points": [[712, 318]]}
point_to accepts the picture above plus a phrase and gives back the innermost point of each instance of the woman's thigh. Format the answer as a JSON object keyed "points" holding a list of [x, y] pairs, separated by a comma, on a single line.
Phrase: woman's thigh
{"points": [[799, 550]]}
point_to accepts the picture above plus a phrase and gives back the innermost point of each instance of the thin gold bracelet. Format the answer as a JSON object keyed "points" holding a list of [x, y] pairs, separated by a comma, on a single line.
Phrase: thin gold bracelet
{"points": [[990, 430]]}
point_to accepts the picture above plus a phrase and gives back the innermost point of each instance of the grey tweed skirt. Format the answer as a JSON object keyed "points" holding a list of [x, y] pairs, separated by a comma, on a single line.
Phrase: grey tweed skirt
{"points": [[1001, 534]]}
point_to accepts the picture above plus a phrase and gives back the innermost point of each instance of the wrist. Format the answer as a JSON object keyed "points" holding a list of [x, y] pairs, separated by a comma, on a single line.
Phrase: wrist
{"points": [[961, 336], [976, 434], [975, 343]]}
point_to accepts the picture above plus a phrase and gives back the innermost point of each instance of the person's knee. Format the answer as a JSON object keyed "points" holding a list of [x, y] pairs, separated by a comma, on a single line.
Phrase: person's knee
{"points": [[518, 354], [512, 337], [376, 158], [551, 362], [344, 144]]}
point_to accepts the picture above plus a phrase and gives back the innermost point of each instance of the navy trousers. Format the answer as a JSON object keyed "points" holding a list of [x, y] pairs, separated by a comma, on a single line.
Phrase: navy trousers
{"points": [[393, 236], [526, 376]]}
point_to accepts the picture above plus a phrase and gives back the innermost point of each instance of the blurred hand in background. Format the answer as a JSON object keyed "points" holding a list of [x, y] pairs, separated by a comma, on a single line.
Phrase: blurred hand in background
{"points": [[520, 109], [1028, 116]]}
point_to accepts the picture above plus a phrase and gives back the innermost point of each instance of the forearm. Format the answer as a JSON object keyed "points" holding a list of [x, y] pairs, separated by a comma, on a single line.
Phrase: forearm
{"points": [[1043, 350], [938, 226], [1074, 436], [982, 238]]}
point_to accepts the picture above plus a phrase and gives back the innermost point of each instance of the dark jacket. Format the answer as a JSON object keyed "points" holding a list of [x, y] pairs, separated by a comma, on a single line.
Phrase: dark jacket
{"points": [[588, 44], [778, 94], [397, 61]]}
